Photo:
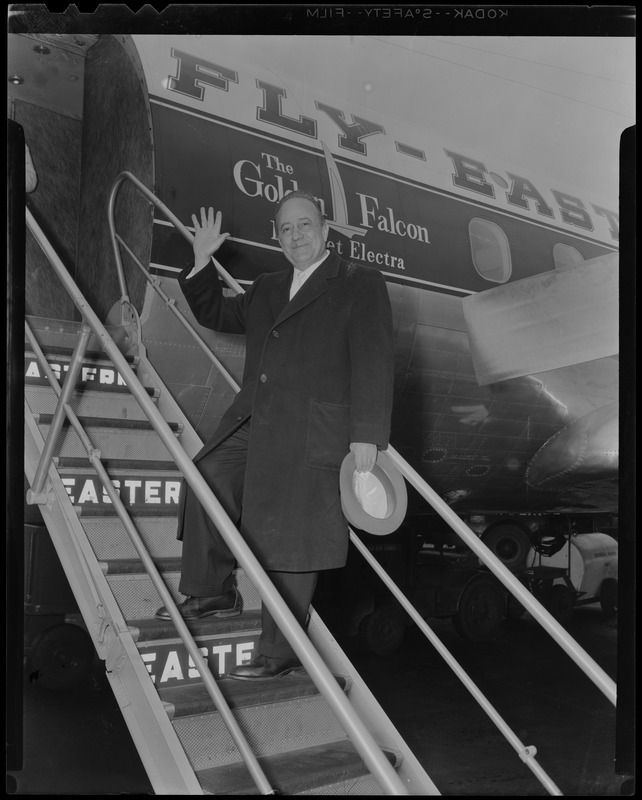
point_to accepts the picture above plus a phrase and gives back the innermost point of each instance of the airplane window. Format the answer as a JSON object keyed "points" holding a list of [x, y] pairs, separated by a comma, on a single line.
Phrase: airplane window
{"points": [[566, 256], [490, 250]]}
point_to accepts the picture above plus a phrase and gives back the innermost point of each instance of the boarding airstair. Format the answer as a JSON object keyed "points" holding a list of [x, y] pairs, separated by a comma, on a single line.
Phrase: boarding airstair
{"points": [[106, 449], [182, 738]]}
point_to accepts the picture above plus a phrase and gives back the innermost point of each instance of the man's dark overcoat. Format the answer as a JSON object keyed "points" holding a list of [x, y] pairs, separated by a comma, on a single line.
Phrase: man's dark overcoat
{"points": [[318, 375]]}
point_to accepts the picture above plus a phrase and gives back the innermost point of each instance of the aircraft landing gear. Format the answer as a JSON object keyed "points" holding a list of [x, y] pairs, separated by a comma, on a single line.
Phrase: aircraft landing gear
{"points": [[61, 657], [510, 543], [383, 630], [480, 610], [608, 597]]}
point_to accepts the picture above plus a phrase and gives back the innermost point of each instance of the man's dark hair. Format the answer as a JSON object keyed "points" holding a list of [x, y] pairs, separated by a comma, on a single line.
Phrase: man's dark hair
{"points": [[303, 195]]}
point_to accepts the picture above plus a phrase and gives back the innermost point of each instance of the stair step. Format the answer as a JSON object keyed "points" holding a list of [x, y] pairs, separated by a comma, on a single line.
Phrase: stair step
{"points": [[136, 510], [65, 353], [112, 443], [134, 566], [155, 630], [332, 763], [137, 597], [293, 723], [366, 786], [190, 700], [109, 422], [145, 470], [110, 540], [63, 335], [118, 463], [42, 401]]}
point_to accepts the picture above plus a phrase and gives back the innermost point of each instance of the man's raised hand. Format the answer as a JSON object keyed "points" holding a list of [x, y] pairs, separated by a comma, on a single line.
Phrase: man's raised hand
{"points": [[207, 237]]}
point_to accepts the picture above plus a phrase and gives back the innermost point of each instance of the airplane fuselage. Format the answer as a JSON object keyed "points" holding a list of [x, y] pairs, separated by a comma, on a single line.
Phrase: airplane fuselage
{"points": [[441, 224]]}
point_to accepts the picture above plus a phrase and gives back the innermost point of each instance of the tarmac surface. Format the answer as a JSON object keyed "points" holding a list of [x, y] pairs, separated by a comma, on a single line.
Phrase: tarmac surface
{"points": [[536, 688], [76, 742]]}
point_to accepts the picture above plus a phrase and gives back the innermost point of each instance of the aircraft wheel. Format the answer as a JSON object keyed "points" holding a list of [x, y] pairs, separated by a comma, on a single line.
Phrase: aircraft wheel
{"points": [[608, 597], [480, 610], [61, 657], [560, 602], [383, 630], [510, 543]]}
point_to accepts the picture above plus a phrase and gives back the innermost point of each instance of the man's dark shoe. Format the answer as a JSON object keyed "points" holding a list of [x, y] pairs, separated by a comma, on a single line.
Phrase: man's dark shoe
{"points": [[263, 667], [229, 604]]}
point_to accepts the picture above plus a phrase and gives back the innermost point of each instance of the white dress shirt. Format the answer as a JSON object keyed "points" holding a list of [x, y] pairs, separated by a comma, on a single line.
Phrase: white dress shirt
{"points": [[301, 275]]}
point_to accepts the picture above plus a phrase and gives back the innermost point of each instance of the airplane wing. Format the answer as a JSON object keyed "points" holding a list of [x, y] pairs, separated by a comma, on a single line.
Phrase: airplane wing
{"points": [[559, 320], [544, 322]]}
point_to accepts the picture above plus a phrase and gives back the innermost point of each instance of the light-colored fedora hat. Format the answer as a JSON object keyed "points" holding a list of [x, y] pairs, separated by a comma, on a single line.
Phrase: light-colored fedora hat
{"points": [[374, 502]]}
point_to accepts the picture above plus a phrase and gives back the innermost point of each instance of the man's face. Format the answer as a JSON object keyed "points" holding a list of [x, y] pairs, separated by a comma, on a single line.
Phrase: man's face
{"points": [[301, 231]]}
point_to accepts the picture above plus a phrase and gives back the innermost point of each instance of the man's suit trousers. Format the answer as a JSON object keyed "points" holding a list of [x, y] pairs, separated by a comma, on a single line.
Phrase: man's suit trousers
{"points": [[207, 562]]}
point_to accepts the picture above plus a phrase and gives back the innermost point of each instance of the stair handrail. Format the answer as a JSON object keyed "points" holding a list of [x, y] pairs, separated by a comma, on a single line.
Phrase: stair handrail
{"points": [[116, 240], [542, 616], [587, 664], [322, 677], [129, 176], [526, 753]]}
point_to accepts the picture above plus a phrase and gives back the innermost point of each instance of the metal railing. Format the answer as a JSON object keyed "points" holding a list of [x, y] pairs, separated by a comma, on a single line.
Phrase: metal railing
{"points": [[487, 557], [151, 279], [540, 614], [587, 664], [324, 680]]}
